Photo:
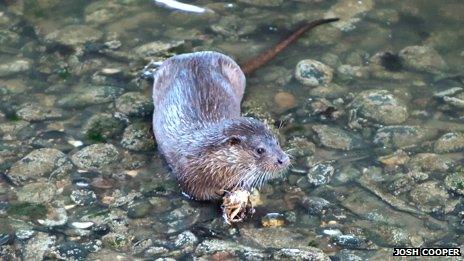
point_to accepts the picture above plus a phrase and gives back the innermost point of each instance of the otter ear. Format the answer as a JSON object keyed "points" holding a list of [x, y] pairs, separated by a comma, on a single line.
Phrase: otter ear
{"points": [[234, 140]]}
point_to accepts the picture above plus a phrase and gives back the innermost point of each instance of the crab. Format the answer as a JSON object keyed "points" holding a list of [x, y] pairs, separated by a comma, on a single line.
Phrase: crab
{"points": [[236, 205]]}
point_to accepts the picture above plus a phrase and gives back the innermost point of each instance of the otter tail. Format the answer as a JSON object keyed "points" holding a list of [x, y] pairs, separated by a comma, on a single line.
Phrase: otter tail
{"points": [[253, 64]]}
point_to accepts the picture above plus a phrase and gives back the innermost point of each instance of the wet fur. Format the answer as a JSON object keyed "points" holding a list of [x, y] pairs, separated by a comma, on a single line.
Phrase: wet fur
{"points": [[197, 111]]}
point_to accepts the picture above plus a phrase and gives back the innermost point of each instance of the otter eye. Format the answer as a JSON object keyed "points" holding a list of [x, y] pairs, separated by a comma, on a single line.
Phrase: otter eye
{"points": [[260, 151], [234, 140]]}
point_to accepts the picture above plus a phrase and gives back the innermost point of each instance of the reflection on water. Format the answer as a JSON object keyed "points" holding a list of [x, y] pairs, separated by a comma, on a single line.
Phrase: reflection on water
{"points": [[371, 108]]}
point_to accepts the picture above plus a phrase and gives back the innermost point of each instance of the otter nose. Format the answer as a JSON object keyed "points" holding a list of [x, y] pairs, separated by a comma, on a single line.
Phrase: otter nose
{"points": [[283, 160]]}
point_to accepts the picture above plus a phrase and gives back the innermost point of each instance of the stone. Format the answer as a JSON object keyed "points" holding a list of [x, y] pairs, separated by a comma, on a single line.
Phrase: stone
{"points": [[380, 106], [89, 95], [450, 142], [138, 137], [38, 192], [336, 138], [75, 35], [96, 157], [48, 163], [423, 58], [37, 112], [134, 104], [401, 136], [284, 100], [431, 196], [313, 73], [10, 68], [102, 126]]}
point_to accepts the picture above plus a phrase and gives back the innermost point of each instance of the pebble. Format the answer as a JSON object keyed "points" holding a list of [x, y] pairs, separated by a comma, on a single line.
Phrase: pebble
{"points": [[313, 73], [423, 58], [75, 35], [273, 220], [96, 157], [285, 100], [320, 174], [335, 138], [49, 163], [138, 137], [134, 104], [14, 67], [380, 106], [450, 142]]}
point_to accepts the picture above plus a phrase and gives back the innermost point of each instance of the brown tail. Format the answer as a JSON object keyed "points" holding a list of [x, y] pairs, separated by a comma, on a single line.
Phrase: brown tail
{"points": [[256, 62]]}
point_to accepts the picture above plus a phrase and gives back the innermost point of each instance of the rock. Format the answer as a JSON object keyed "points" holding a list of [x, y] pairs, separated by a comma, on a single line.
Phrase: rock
{"points": [[48, 163], [98, 13], [313, 73], [300, 147], [430, 162], [349, 12], [392, 161], [423, 58], [432, 197], [89, 95], [181, 218], [102, 126], [450, 142], [37, 112], [38, 192], [279, 238], [83, 197], [263, 2], [134, 104], [116, 241], [350, 72], [72, 251], [315, 205], [74, 35], [331, 91], [401, 136], [336, 138], [273, 220], [299, 254], [138, 137], [96, 157], [380, 106], [10, 68], [228, 249], [139, 209], [320, 174], [38, 246], [455, 182], [234, 26], [56, 216], [186, 241], [284, 100], [157, 48]]}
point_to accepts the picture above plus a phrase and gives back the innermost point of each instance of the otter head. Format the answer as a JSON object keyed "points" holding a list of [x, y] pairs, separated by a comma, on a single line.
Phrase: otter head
{"points": [[251, 152]]}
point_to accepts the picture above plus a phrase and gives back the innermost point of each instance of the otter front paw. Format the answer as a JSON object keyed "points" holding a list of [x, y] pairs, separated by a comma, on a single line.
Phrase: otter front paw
{"points": [[235, 206]]}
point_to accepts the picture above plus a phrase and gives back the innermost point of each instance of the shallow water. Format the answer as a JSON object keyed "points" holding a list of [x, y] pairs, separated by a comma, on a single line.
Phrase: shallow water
{"points": [[376, 143]]}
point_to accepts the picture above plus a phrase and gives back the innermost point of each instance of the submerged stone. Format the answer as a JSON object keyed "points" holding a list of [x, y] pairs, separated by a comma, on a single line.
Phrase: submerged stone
{"points": [[102, 126], [138, 137], [90, 95], [313, 73], [381, 106], [96, 157], [336, 138], [134, 104], [450, 142], [423, 58], [46, 162]]}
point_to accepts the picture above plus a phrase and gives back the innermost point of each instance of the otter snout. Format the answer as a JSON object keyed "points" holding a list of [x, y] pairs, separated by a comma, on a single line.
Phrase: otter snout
{"points": [[283, 160]]}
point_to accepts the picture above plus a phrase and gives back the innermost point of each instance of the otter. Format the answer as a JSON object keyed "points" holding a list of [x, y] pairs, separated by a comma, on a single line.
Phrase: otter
{"points": [[210, 147]]}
